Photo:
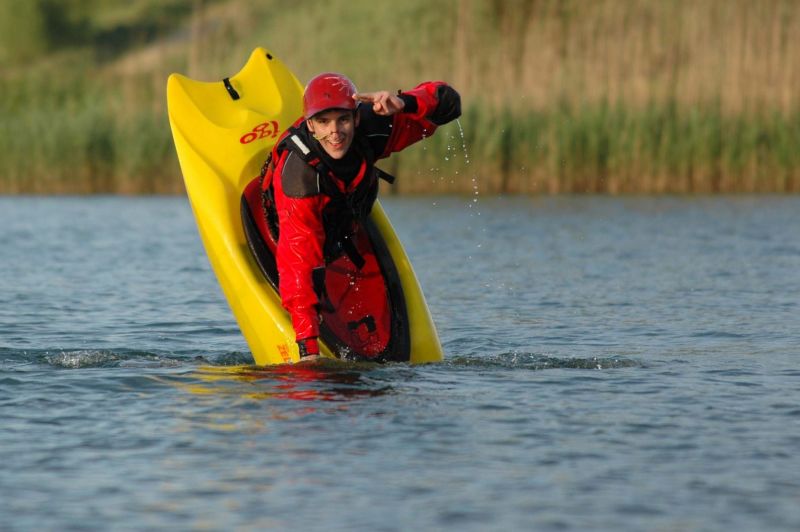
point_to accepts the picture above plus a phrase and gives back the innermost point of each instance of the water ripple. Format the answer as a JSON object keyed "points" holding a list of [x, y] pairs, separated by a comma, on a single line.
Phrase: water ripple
{"points": [[601, 373], [533, 361]]}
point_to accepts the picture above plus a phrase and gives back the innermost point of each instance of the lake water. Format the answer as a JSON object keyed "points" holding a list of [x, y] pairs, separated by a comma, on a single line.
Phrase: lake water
{"points": [[611, 364]]}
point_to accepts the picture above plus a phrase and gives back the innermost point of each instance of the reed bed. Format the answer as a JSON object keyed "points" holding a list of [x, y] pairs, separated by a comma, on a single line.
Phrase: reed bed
{"points": [[606, 149], [560, 96]]}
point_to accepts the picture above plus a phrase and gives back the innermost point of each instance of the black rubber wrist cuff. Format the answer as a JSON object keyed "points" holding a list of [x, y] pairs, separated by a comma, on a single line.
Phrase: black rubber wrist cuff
{"points": [[410, 101], [303, 348]]}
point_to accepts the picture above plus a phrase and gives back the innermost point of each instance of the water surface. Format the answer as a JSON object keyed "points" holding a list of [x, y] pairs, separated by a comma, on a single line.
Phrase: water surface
{"points": [[611, 364]]}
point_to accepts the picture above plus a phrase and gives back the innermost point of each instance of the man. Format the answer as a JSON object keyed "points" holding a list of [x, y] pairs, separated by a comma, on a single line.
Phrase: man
{"points": [[321, 177]]}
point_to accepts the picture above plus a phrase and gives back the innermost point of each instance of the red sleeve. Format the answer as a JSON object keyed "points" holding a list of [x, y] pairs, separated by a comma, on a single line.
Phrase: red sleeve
{"points": [[408, 128], [302, 236]]}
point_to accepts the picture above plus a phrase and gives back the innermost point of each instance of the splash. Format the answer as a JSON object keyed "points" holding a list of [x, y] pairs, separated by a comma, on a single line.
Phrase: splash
{"points": [[473, 203], [531, 361], [83, 359], [463, 141], [474, 178], [100, 358]]}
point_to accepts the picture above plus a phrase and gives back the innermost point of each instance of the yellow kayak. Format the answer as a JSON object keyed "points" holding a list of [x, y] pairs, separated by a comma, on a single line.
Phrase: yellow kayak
{"points": [[223, 132]]}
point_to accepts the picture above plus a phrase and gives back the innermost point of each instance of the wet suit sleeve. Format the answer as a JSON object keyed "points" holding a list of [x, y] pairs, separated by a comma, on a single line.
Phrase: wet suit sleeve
{"points": [[427, 106], [299, 251], [434, 100]]}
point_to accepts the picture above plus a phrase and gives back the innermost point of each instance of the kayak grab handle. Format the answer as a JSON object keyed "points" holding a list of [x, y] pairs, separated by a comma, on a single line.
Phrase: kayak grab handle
{"points": [[230, 89]]}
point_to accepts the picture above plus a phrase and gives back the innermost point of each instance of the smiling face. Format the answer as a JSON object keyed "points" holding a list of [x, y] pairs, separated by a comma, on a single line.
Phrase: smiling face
{"points": [[335, 130]]}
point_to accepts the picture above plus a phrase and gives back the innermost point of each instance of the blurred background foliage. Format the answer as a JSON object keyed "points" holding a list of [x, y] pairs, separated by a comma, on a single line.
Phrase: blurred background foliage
{"points": [[577, 96]]}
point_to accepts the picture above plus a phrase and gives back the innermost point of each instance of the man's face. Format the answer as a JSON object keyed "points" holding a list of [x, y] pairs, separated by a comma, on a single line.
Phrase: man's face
{"points": [[335, 130]]}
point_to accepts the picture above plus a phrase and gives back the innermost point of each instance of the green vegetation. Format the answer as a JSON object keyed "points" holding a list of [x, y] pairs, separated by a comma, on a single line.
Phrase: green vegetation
{"points": [[599, 148], [612, 96]]}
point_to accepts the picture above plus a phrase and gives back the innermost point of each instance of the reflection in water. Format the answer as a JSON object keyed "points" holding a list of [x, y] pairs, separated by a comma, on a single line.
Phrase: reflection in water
{"points": [[321, 381]]}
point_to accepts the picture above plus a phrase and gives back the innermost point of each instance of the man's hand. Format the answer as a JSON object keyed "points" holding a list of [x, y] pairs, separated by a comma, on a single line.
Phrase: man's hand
{"points": [[383, 103], [309, 349]]}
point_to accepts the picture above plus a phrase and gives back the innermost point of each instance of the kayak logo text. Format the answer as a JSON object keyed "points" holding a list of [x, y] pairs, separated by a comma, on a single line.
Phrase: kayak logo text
{"points": [[261, 131]]}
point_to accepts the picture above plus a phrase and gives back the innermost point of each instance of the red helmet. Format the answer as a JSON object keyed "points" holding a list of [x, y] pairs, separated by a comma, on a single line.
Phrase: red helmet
{"points": [[328, 91]]}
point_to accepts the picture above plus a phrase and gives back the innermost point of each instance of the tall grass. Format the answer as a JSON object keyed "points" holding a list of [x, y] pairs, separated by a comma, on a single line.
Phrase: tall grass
{"points": [[611, 96], [599, 148], [75, 137]]}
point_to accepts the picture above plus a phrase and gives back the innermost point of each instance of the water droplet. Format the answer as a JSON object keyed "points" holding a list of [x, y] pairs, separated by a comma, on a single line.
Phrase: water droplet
{"points": [[463, 141]]}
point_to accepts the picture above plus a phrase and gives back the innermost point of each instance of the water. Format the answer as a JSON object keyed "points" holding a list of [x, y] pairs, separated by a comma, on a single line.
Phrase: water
{"points": [[611, 364]]}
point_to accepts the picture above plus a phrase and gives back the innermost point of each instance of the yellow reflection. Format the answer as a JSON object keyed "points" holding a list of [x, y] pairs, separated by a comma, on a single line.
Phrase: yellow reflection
{"points": [[326, 380]]}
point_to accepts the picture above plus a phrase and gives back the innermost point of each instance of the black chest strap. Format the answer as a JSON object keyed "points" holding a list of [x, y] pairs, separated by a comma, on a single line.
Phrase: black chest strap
{"points": [[305, 174]]}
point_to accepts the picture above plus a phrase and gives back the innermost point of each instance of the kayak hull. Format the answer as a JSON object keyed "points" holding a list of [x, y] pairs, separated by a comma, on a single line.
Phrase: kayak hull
{"points": [[223, 132]]}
